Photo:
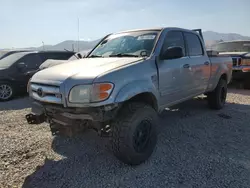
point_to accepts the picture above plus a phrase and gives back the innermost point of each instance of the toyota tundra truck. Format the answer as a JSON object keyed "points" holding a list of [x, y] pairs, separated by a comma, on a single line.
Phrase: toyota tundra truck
{"points": [[124, 82]]}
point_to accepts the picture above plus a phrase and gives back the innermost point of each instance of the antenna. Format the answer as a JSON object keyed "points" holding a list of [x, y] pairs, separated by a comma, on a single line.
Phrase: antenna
{"points": [[78, 25]]}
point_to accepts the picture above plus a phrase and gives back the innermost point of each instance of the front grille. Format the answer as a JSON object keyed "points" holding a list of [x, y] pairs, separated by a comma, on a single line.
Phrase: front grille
{"points": [[236, 61], [46, 93]]}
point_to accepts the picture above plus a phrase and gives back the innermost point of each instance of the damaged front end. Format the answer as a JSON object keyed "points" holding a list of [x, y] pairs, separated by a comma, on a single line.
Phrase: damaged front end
{"points": [[71, 121]]}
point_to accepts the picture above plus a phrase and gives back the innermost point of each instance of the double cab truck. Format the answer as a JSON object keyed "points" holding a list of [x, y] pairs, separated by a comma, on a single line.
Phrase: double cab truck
{"points": [[240, 52], [124, 82]]}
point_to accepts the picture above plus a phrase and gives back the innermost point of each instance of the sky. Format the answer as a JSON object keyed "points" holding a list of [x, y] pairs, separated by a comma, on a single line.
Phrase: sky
{"points": [[28, 23]]}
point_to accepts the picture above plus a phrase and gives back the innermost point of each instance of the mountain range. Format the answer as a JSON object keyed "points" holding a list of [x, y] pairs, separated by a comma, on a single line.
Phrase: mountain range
{"points": [[210, 38]]}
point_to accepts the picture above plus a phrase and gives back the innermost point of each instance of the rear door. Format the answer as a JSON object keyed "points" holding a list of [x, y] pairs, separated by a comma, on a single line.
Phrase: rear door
{"points": [[199, 63], [174, 78]]}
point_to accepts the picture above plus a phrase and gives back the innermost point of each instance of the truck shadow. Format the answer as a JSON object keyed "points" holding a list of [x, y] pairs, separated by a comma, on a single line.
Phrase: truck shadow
{"points": [[196, 147]]}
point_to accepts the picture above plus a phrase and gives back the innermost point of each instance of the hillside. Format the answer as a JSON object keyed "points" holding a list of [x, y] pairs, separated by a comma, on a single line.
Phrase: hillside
{"points": [[212, 37]]}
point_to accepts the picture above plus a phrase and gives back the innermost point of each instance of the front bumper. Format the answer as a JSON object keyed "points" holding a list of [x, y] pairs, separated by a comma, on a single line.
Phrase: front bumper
{"points": [[52, 113]]}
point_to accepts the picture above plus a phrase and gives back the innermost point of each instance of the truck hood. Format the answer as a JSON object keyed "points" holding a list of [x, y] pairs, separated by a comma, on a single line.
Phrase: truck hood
{"points": [[83, 70]]}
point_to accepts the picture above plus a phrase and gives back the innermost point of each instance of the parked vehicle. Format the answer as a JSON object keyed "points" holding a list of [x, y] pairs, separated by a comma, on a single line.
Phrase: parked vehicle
{"points": [[123, 83], [16, 70], [240, 53], [52, 62], [5, 53]]}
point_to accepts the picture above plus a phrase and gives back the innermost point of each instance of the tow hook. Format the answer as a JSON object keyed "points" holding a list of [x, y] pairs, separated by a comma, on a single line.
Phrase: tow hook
{"points": [[105, 132], [35, 119]]}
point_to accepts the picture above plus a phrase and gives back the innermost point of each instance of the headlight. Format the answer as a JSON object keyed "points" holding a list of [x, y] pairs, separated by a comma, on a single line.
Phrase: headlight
{"points": [[80, 94], [90, 93]]}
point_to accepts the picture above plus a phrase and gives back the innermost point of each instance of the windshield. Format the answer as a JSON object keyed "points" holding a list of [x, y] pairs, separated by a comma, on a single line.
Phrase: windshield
{"points": [[239, 46], [130, 44], [10, 59]]}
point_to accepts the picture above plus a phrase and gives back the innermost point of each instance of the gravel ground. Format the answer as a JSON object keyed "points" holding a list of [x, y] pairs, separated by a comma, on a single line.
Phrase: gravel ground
{"points": [[196, 147]]}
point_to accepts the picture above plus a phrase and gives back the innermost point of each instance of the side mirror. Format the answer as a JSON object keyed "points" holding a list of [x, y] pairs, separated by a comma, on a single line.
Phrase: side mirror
{"points": [[172, 53], [79, 56], [21, 65]]}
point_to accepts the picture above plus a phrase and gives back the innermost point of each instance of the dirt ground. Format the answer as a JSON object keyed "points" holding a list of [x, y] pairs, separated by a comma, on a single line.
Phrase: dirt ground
{"points": [[197, 147]]}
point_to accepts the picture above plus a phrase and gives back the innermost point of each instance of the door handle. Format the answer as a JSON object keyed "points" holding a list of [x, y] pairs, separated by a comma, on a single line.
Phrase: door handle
{"points": [[206, 63], [186, 66]]}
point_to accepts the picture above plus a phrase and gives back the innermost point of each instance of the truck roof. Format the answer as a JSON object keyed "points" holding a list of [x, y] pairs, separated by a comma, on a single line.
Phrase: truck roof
{"points": [[197, 31], [155, 29]]}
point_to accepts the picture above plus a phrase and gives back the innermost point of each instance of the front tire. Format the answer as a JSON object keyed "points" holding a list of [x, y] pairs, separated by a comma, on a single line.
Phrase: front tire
{"points": [[134, 134], [6, 91], [217, 98]]}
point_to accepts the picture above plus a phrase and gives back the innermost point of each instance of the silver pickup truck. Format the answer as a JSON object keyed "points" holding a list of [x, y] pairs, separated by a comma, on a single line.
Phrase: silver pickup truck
{"points": [[124, 82]]}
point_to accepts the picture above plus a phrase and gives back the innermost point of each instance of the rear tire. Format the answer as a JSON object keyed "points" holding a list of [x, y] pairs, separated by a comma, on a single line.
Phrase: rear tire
{"points": [[247, 83], [6, 91], [217, 98], [134, 134]]}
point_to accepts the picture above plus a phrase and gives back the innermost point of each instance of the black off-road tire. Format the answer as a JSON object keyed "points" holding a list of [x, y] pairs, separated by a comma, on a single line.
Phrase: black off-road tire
{"points": [[132, 118], [13, 91], [217, 98]]}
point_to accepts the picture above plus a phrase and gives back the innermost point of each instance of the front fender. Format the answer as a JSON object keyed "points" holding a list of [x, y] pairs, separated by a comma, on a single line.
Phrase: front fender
{"points": [[134, 88]]}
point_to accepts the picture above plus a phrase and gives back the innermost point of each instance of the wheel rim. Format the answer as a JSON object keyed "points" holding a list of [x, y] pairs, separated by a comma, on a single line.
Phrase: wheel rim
{"points": [[223, 95], [5, 91], [142, 136]]}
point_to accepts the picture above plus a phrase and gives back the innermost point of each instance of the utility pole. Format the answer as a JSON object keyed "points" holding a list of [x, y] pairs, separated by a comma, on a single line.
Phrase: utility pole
{"points": [[43, 45]]}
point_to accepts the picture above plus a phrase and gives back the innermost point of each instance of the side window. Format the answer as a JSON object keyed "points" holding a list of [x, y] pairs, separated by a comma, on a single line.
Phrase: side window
{"points": [[31, 61], [193, 44], [173, 39]]}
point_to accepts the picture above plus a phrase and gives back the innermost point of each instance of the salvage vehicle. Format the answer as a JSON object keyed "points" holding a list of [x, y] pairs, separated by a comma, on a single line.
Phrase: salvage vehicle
{"points": [[16, 70], [52, 62], [240, 53], [124, 83]]}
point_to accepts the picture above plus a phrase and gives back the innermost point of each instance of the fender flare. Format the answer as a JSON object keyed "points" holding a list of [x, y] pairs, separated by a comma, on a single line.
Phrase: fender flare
{"points": [[134, 88]]}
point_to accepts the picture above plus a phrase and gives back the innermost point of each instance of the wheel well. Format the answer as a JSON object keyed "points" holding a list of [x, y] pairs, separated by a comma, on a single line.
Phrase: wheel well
{"points": [[224, 77], [147, 98]]}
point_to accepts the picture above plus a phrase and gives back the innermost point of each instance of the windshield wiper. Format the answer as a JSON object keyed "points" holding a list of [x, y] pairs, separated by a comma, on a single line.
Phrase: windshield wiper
{"points": [[123, 55], [94, 56]]}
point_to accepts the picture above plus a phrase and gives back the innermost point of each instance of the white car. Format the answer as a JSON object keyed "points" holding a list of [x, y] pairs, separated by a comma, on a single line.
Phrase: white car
{"points": [[52, 62]]}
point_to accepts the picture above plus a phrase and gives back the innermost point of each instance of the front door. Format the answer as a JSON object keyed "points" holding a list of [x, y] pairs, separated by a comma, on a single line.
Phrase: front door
{"points": [[30, 64], [175, 74]]}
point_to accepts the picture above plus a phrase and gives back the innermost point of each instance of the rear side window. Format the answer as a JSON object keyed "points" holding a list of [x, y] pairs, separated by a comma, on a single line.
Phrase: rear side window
{"points": [[174, 39], [59, 56], [193, 44]]}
